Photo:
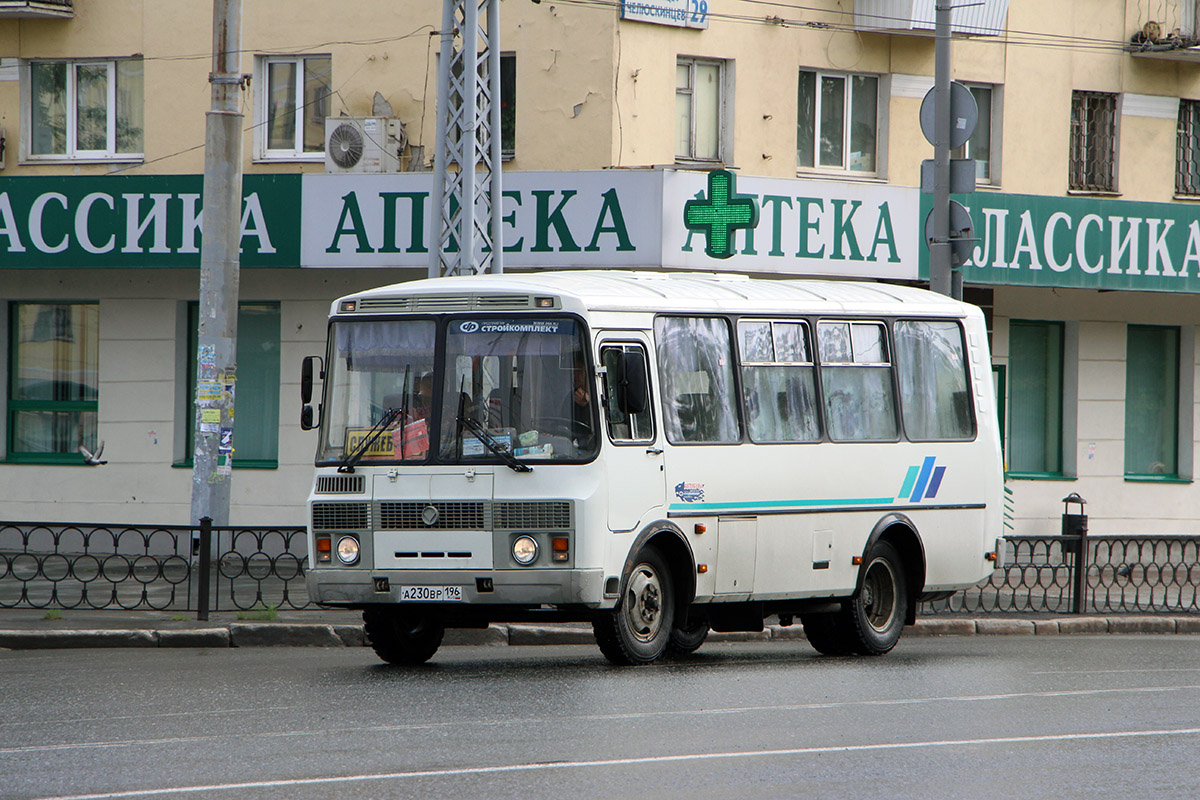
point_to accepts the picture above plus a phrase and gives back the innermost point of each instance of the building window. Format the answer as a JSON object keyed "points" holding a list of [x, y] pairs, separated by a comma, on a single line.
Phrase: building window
{"points": [[1152, 402], [508, 104], [294, 105], [980, 145], [837, 121], [1187, 148], [85, 110], [1035, 374], [53, 391], [699, 109], [256, 396], [1093, 142]]}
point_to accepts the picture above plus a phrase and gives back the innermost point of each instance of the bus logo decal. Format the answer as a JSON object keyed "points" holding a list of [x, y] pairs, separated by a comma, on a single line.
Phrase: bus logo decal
{"points": [[469, 327], [689, 492], [922, 481]]}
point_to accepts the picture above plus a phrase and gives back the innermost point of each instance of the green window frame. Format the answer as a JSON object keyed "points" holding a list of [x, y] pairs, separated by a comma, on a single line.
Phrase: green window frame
{"points": [[256, 398], [1152, 402], [53, 395], [1035, 377]]}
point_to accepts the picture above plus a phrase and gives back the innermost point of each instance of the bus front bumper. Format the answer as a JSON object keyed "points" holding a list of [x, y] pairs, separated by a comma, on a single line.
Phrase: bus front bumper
{"points": [[508, 587]]}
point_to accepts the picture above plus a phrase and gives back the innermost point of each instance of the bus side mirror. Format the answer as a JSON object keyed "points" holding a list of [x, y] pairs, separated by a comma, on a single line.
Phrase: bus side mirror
{"points": [[307, 368], [306, 379], [632, 394]]}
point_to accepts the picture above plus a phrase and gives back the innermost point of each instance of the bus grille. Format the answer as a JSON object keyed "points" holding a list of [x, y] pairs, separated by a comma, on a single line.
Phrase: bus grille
{"points": [[468, 515], [341, 484], [548, 514], [341, 516]]}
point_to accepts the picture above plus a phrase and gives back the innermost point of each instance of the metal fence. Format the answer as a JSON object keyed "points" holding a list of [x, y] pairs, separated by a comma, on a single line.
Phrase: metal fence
{"points": [[1086, 575], [157, 567], [56, 565]]}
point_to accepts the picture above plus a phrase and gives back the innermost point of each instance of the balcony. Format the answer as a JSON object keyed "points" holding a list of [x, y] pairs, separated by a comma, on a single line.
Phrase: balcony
{"points": [[986, 18], [1159, 40], [37, 9]]}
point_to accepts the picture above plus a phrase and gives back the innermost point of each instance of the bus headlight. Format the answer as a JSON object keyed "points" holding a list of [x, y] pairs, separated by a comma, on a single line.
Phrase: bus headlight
{"points": [[347, 550], [524, 550]]}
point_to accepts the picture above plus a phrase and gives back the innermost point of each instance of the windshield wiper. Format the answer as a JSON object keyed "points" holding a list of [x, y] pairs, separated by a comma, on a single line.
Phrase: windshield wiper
{"points": [[479, 432], [388, 418]]}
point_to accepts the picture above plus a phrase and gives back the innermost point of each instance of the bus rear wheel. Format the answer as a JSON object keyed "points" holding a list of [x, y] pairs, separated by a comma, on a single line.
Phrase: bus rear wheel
{"points": [[870, 623], [638, 630], [687, 636], [402, 637]]}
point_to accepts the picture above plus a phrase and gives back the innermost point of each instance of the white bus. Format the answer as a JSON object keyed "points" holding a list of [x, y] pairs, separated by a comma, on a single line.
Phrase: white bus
{"points": [[657, 454]]}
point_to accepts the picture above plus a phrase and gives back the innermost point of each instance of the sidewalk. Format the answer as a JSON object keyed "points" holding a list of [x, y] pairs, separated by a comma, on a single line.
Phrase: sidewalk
{"points": [[30, 629]]}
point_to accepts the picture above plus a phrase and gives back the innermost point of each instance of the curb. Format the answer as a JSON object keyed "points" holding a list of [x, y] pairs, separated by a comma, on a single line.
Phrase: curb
{"points": [[287, 634]]}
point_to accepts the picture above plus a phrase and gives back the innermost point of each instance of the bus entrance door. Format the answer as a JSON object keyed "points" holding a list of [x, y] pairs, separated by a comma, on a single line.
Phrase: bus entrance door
{"points": [[633, 451]]}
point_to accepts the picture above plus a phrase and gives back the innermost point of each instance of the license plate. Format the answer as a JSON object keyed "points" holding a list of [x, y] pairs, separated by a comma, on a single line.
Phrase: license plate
{"points": [[431, 594]]}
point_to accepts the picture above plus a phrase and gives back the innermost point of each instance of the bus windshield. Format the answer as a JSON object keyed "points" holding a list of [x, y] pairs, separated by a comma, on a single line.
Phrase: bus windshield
{"points": [[519, 385], [525, 382]]}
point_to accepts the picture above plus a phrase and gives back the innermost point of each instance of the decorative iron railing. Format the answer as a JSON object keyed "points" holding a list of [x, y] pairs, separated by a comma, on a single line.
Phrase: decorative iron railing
{"points": [[73, 566], [1089, 574], [156, 567]]}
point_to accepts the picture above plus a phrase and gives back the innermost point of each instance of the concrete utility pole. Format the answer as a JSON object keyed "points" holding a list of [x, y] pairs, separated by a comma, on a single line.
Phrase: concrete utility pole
{"points": [[216, 336], [466, 204], [939, 253]]}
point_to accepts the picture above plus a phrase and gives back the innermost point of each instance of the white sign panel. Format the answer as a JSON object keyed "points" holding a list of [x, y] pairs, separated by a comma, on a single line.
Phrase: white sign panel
{"points": [[621, 218], [805, 227], [679, 13]]}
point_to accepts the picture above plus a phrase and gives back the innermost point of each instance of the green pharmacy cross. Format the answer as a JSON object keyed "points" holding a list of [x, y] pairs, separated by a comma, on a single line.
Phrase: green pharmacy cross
{"points": [[721, 214]]}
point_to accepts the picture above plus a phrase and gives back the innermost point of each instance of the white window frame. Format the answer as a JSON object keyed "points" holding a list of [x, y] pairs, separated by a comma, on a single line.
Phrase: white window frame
{"points": [[262, 103], [724, 109], [881, 96], [72, 153], [995, 114]]}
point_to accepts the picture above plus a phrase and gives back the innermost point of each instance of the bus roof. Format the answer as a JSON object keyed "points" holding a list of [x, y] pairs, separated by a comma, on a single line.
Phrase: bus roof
{"points": [[622, 290]]}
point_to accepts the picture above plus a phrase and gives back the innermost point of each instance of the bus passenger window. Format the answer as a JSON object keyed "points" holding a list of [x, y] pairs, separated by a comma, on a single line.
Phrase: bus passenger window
{"points": [[778, 384], [695, 360], [856, 378], [931, 366]]}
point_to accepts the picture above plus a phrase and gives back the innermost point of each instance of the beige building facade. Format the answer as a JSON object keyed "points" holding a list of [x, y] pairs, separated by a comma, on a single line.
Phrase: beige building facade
{"points": [[1085, 209]]}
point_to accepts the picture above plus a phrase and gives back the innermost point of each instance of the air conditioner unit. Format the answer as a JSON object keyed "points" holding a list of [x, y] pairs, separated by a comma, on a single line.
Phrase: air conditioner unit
{"points": [[363, 144]]}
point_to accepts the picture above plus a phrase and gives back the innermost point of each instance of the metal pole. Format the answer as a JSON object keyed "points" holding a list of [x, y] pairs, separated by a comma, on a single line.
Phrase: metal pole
{"points": [[939, 250], [437, 196], [216, 335], [495, 141], [205, 568]]}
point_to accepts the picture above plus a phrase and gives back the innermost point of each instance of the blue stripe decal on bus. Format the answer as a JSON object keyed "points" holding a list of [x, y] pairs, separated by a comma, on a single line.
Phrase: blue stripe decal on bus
{"points": [[935, 482], [922, 479], [909, 479], [848, 501]]}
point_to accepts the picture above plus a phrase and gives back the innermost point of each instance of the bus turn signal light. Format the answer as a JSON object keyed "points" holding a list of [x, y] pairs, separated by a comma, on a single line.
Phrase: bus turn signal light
{"points": [[856, 561], [701, 569], [324, 548], [560, 548]]}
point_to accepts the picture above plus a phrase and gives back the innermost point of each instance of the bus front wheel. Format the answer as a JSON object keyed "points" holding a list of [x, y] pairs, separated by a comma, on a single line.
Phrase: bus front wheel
{"points": [[638, 630], [402, 637]]}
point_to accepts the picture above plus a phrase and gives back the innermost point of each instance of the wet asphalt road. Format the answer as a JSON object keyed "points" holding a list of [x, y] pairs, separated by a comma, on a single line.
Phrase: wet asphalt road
{"points": [[971, 717]]}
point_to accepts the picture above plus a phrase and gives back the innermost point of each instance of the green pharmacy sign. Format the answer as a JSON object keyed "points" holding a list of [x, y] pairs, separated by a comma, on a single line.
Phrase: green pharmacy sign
{"points": [[721, 214]]}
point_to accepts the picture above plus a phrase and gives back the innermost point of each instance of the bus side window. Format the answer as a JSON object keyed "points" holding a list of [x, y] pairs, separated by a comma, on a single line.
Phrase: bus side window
{"points": [[695, 361], [931, 365], [856, 378], [625, 424], [778, 384]]}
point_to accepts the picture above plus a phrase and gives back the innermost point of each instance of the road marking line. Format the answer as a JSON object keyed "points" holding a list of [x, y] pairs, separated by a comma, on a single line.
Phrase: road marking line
{"points": [[613, 762], [118, 743]]}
